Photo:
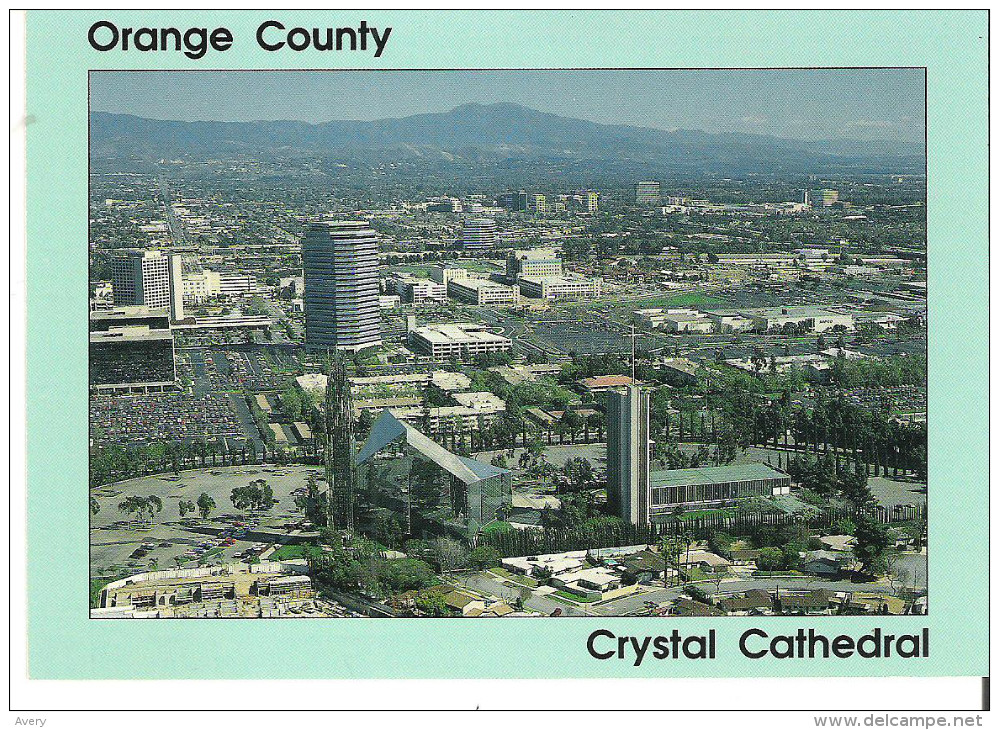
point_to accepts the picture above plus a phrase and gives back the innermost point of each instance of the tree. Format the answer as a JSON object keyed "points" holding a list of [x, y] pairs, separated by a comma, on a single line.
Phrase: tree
{"points": [[95, 506], [449, 554], [186, 506], [578, 471], [266, 496], [205, 505], [129, 505], [431, 603], [770, 559], [872, 546], [484, 556]]}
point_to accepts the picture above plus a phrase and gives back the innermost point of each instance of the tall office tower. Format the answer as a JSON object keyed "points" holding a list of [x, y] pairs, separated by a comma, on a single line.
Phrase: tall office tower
{"points": [[479, 233], [340, 264], [513, 201], [647, 193], [591, 200], [148, 278], [628, 454]]}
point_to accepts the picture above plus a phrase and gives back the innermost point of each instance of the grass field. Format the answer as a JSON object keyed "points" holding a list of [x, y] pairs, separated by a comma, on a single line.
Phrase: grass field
{"points": [[688, 299], [572, 597], [288, 552]]}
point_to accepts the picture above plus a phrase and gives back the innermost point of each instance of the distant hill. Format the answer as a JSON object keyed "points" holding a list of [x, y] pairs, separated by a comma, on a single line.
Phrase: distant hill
{"points": [[498, 131]]}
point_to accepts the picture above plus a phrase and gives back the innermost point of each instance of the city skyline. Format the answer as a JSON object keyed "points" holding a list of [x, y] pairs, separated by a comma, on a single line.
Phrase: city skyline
{"points": [[799, 104]]}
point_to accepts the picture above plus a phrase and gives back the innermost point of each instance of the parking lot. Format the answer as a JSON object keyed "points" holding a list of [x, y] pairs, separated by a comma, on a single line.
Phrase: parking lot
{"points": [[115, 536]]}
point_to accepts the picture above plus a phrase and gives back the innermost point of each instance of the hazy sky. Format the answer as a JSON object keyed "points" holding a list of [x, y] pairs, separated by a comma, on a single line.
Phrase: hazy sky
{"points": [[798, 104]]}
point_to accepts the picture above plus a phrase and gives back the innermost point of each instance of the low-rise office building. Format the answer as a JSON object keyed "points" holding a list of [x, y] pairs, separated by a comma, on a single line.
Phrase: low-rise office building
{"points": [[559, 287], [457, 341], [446, 273], [811, 319], [533, 263], [417, 291], [482, 292]]}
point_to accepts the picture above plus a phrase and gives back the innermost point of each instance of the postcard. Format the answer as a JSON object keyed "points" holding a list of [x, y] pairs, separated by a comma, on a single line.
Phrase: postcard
{"points": [[615, 355]]}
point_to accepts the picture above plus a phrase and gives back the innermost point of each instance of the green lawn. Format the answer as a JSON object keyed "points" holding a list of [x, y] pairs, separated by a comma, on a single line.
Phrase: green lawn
{"points": [[572, 597], [288, 552], [691, 299]]}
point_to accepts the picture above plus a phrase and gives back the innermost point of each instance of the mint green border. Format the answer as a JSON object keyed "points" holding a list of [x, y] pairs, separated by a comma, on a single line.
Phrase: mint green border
{"points": [[63, 643]]}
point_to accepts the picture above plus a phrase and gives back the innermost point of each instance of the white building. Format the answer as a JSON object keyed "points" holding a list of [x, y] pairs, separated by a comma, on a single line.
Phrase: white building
{"points": [[482, 292], [559, 287], [456, 341], [417, 291], [533, 263], [479, 233], [674, 320], [148, 278], [446, 273]]}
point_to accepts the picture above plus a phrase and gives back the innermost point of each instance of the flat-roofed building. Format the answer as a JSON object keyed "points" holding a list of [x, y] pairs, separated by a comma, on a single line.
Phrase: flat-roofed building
{"points": [[538, 203], [713, 486], [811, 319], [533, 263], [482, 292], [729, 321], [131, 349], [474, 412], [679, 319], [559, 288], [417, 291], [148, 278], [446, 273], [340, 263], [478, 233], [462, 341], [513, 201]]}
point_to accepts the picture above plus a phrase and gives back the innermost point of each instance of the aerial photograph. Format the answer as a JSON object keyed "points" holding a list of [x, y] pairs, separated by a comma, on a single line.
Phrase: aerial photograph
{"points": [[507, 343]]}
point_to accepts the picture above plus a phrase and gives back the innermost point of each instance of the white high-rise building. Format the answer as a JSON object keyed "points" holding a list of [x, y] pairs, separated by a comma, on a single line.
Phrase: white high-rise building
{"points": [[647, 192], [340, 263], [479, 233], [148, 278]]}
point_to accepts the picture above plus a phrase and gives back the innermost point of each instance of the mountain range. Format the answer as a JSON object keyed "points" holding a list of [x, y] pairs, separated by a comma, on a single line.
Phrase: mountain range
{"points": [[500, 131]]}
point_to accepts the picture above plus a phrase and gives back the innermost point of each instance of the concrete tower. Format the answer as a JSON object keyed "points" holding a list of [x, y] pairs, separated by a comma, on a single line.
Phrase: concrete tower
{"points": [[628, 454]]}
